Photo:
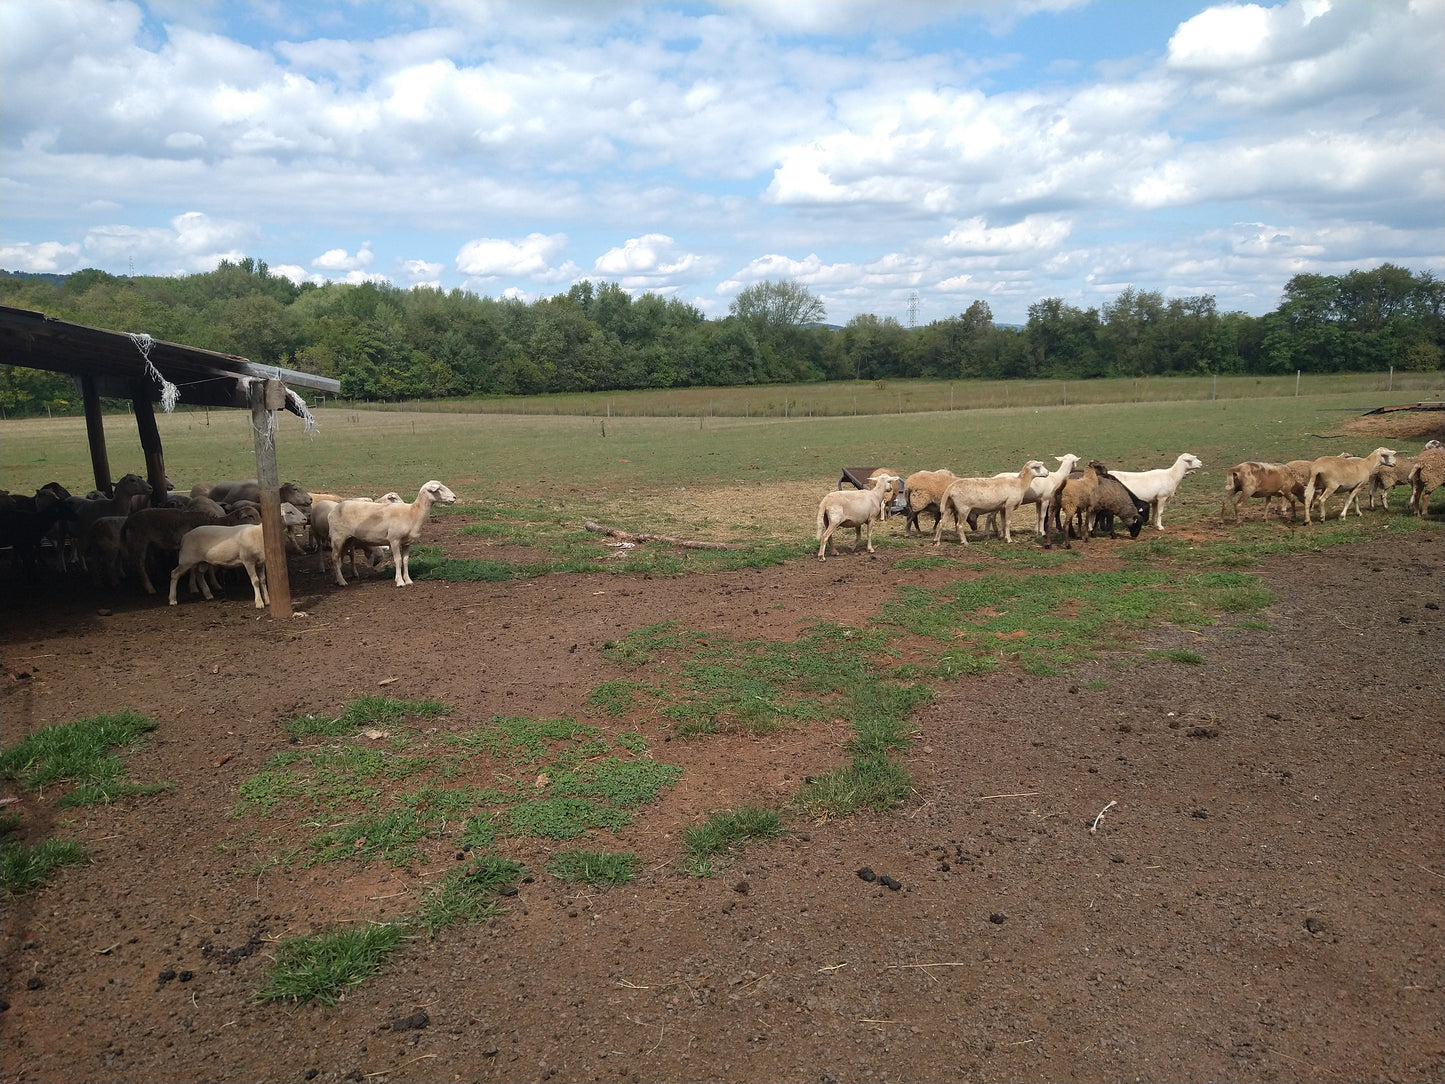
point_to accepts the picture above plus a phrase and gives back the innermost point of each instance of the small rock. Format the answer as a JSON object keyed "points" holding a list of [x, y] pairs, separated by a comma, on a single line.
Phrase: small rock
{"points": [[411, 1023], [185, 976], [33, 983], [104, 612], [742, 888], [311, 1074], [1313, 924], [507, 890], [889, 882], [867, 874], [1200, 814], [998, 918], [166, 975]]}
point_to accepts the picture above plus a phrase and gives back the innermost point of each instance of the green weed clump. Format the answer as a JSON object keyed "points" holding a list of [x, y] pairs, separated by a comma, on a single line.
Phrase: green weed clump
{"points": [[600, 868], [471, 894], [723, 833], [364, 711], [27, 866], [80, 754], [324, 966]]}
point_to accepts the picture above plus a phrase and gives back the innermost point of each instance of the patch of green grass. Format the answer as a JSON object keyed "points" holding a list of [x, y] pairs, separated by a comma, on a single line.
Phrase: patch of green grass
{"points": [[324, 966], [639, 646], [869, 782], [723, 833], [523, 740], [600, 868], [392, 835], [373, 711], [564, 817], [1096, 684], [470, 894], [617, 697], [80, 754], [326, 777], [1179, 655], [26, 866]]}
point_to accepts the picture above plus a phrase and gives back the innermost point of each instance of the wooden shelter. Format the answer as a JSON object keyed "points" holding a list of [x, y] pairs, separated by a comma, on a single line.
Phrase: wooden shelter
{"points": [[147, 371]]}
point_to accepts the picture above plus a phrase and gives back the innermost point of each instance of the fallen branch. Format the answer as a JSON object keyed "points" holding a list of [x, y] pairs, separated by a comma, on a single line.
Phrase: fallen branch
{"points": [[685, 543]]}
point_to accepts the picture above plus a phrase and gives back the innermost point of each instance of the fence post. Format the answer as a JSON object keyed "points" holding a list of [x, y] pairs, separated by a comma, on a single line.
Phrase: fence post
{"points": [[1296, 383], [1392, 379]]}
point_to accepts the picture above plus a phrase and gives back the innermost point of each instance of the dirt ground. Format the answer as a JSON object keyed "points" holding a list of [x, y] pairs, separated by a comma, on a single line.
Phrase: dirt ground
{"points": [[1262, 901]]}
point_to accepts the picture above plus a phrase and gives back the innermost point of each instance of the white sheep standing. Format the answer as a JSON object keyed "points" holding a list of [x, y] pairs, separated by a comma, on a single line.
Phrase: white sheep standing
{"points": [[858, 509], [216, 546], [980, 495], [395, 525], [1158, 485]]}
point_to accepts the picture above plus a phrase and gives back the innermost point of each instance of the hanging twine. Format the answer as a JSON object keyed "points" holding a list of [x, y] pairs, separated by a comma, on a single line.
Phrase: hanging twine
{"points": [[298, 404], [169, 392]]}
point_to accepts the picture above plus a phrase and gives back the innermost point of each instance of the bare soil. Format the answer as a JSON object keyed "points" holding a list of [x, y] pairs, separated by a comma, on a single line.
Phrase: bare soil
{"points": [[1263, 899]]}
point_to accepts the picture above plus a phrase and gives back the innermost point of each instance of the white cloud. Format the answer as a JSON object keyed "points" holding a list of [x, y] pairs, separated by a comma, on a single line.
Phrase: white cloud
{"points": [[646, 261], [47, 256], [338, 259], [531, 257], [422, 272]]}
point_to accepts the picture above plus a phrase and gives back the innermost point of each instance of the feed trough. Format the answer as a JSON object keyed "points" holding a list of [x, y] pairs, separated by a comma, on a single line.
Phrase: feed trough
{"points": [[858, 477]]}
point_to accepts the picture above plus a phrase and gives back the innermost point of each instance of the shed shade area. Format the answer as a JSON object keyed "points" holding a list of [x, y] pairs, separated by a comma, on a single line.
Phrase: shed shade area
{"points": [[147, 371]]}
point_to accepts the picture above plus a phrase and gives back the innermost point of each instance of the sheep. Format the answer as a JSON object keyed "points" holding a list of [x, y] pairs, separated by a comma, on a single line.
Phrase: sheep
{"points": [[1330, 473], [1075, 500], [250, 490], [1385, 478], [100, 550], [858, 509], [164, 528], [1113, 500], [396, 525], [1427, 476], [981, 495], [87, 511], [922, 492], [321, 509], [1267, 480], [1040, 492], [1158, 485], [212, 546]]}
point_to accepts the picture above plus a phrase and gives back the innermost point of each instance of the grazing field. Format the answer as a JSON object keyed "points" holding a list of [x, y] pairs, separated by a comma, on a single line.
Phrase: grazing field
{"points": [[1164, 808]]}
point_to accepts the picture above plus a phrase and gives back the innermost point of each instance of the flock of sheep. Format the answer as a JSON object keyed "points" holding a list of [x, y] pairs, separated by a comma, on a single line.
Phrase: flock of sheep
{"points": [[214, 526], [1077, 503], [219, 526]]}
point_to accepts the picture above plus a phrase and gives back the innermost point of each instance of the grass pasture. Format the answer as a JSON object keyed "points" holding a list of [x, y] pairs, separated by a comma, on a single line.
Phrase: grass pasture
{"points": [[715, 477]]}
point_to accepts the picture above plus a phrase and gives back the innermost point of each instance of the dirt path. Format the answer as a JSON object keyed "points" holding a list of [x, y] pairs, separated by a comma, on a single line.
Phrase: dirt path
{"points": [[1263, 900]]}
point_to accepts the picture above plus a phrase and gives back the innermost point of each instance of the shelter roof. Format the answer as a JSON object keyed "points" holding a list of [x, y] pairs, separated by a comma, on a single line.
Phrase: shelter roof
{"points": [[116, 361]]}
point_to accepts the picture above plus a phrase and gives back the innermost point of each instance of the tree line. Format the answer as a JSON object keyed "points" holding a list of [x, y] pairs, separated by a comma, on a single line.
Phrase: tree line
{"points": [[384, 342]]}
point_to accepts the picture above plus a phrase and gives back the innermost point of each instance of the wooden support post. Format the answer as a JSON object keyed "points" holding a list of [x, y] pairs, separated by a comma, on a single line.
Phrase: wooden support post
{"points": [[150, 441], [267, 396], [95, 434]]}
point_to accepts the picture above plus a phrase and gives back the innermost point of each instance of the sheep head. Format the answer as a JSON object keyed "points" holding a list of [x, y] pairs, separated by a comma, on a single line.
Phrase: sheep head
{"points": [[439, 493]]}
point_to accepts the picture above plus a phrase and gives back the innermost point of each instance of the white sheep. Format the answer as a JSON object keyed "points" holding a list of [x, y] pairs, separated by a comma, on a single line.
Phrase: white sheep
{"points": [[249, 489], [395, 525], [1427, 476], [215, 546], [1041, 492], [1156, 486], [321, 509], [858, 509], [979, 495], [1331, 472]]}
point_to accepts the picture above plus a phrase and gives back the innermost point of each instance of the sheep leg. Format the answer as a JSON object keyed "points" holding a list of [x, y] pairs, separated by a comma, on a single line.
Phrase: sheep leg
{"points": [[258, 584], [401, 557], [338, 545]]}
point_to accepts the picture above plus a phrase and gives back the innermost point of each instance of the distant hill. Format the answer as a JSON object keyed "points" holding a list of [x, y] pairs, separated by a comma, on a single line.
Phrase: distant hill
{"points": [[54, 280]]}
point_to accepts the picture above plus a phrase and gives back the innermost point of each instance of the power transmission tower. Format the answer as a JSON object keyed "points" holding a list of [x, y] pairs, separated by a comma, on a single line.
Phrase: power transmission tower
{"points": [[913, 309]]}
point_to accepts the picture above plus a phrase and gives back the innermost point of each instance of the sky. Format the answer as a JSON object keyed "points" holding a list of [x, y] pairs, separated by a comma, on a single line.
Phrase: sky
{"points": [[897, 158]]}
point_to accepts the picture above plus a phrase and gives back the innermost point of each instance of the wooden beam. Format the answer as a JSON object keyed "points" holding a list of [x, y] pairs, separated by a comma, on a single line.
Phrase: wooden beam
{"points": [[95, 434], [263, 393], [150, 442]]}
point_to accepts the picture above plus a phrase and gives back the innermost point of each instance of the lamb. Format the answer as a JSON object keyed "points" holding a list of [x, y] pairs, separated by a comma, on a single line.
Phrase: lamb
{"points": [[165, 527], [858, 509], [979, 495], [1427, 476], [922, 492], [215, 546], [1267, 480], [1074, 500], [1330, 473], [1159, 485], [395, 525]]}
